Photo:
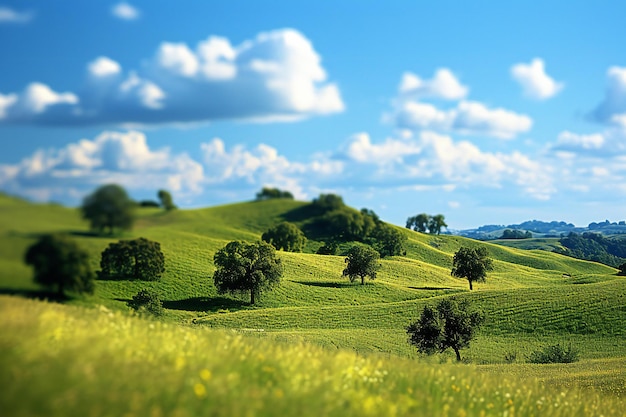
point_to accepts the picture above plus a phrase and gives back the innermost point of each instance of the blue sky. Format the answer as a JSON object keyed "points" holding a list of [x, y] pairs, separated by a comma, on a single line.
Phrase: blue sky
{"points": [[486, 112]]}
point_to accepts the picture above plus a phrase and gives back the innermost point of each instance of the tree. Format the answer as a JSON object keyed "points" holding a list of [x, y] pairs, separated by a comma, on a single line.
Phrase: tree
{"points": [[58, 260], [247, 267], [362, 262], [418, 223], [109, 207], [449, 325], [328, 202], [147, 301], [347, 224], [167, 202], [271, 193], [622, 269], [435, 223], [285, 236], [139, 258], [388, 241], [471, 263]]}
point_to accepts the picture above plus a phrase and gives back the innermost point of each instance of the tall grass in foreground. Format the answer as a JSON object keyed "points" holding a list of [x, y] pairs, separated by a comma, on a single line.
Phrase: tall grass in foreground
{"points": [[66, 361]]}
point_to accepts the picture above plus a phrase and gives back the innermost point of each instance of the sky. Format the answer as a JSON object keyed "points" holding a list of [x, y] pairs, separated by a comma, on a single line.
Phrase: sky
{"points": [[486, 112]]}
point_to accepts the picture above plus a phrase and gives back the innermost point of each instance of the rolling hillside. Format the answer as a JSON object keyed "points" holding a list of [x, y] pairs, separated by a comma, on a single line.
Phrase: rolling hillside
{"points": [[532, 298]]}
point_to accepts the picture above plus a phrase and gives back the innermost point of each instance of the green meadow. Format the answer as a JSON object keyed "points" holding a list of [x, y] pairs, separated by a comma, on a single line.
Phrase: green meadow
{"points": [[316, 345]]}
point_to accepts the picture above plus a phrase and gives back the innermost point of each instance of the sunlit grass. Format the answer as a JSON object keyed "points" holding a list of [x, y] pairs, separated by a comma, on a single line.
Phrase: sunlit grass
{"points": [[58, 361]]}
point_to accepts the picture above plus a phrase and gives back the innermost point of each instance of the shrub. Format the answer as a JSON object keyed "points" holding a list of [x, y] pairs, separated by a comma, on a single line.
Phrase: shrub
{"points": [[554, 354], [147, 301], [329, 248]]}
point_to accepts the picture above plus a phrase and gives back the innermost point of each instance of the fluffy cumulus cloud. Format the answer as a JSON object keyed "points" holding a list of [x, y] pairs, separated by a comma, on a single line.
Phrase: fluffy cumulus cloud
{"points": [[612, 110], [412, 111], [443, 85], [125, 11], [468, 117], [276, 76], [119, 157], [611, 143], [536, 83], [432, 159], [8, 15]]}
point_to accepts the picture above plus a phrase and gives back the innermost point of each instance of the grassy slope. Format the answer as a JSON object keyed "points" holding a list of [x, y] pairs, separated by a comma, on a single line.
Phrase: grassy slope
{"points": [[526, 292], [62, 360]]}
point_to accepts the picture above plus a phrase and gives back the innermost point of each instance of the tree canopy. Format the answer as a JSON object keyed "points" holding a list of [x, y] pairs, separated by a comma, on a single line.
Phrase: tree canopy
{"points": [[58, 260], [472, 264], [362, 262], [328, 202], [247, 267], [109, 207], [426, 223], [167, 202], [286, 236], [139, 259], [388, 241], [450, 324], [270, 193]]}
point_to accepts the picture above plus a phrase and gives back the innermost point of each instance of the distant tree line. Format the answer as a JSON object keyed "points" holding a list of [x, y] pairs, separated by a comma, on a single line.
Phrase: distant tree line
{"points": [[271, 193], [594, 247], [426, 223], [516, 234]]}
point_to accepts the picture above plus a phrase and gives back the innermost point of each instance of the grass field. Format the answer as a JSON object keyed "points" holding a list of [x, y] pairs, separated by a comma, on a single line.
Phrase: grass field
{"points": [[532, 298]]}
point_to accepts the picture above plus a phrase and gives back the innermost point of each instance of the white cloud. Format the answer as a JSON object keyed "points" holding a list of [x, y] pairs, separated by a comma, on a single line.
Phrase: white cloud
{"points": [[612, 110], [104, 67], [6, 102], [434, 158], [277, 76], [611, 143], [535, 83], [443, 85], [468, 117], [573, 141], [33, 101], [125, 11], [119, 157], [8, 15]]}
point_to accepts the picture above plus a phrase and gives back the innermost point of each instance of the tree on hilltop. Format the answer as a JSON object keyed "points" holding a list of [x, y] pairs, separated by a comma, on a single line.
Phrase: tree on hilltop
{"points": [[247, 267], [109, 207], [450, 324], [271, 193], [58, 260], [167, 202], [472, 264]]}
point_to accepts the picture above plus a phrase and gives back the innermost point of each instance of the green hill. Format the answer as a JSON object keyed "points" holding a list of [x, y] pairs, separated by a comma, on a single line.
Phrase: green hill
{"points": [[532, 297]]}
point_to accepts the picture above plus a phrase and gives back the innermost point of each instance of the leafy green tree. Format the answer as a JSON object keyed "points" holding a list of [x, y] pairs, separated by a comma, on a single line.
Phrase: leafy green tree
{"points": [[247, 267], [139, 259], [388, 241], [147, 301], [58, 260], [435, 223], [362, 262], [419, 223], [472, 264], [270, 193], [347, 224], [285, 236], [167, 202], [109, 207], [622, 269], [328, 202], [449, 325]]}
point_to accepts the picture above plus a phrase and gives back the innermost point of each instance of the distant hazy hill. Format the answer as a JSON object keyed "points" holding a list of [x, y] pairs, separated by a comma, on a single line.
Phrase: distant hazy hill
{"points": [[542, 229]]}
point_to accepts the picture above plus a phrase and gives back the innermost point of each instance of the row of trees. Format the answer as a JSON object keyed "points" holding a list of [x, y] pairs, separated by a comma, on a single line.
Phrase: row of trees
{"points": [[57, 260], [426, 223], [109, 207]]}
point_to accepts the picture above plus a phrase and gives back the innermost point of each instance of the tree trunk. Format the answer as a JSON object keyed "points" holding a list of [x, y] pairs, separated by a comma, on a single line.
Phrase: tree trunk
{"points": [[458, 354], [470, 281], [362, 280], [251, 297]]}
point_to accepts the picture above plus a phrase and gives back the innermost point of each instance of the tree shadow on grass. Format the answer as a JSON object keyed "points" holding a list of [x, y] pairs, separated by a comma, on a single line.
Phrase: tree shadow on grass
{"points": [[325, 284], [210, 304], [42, 295]]}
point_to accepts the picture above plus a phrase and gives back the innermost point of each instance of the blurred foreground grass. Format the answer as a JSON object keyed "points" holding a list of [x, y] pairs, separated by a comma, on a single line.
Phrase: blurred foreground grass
{"points": [[60, 360]]}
